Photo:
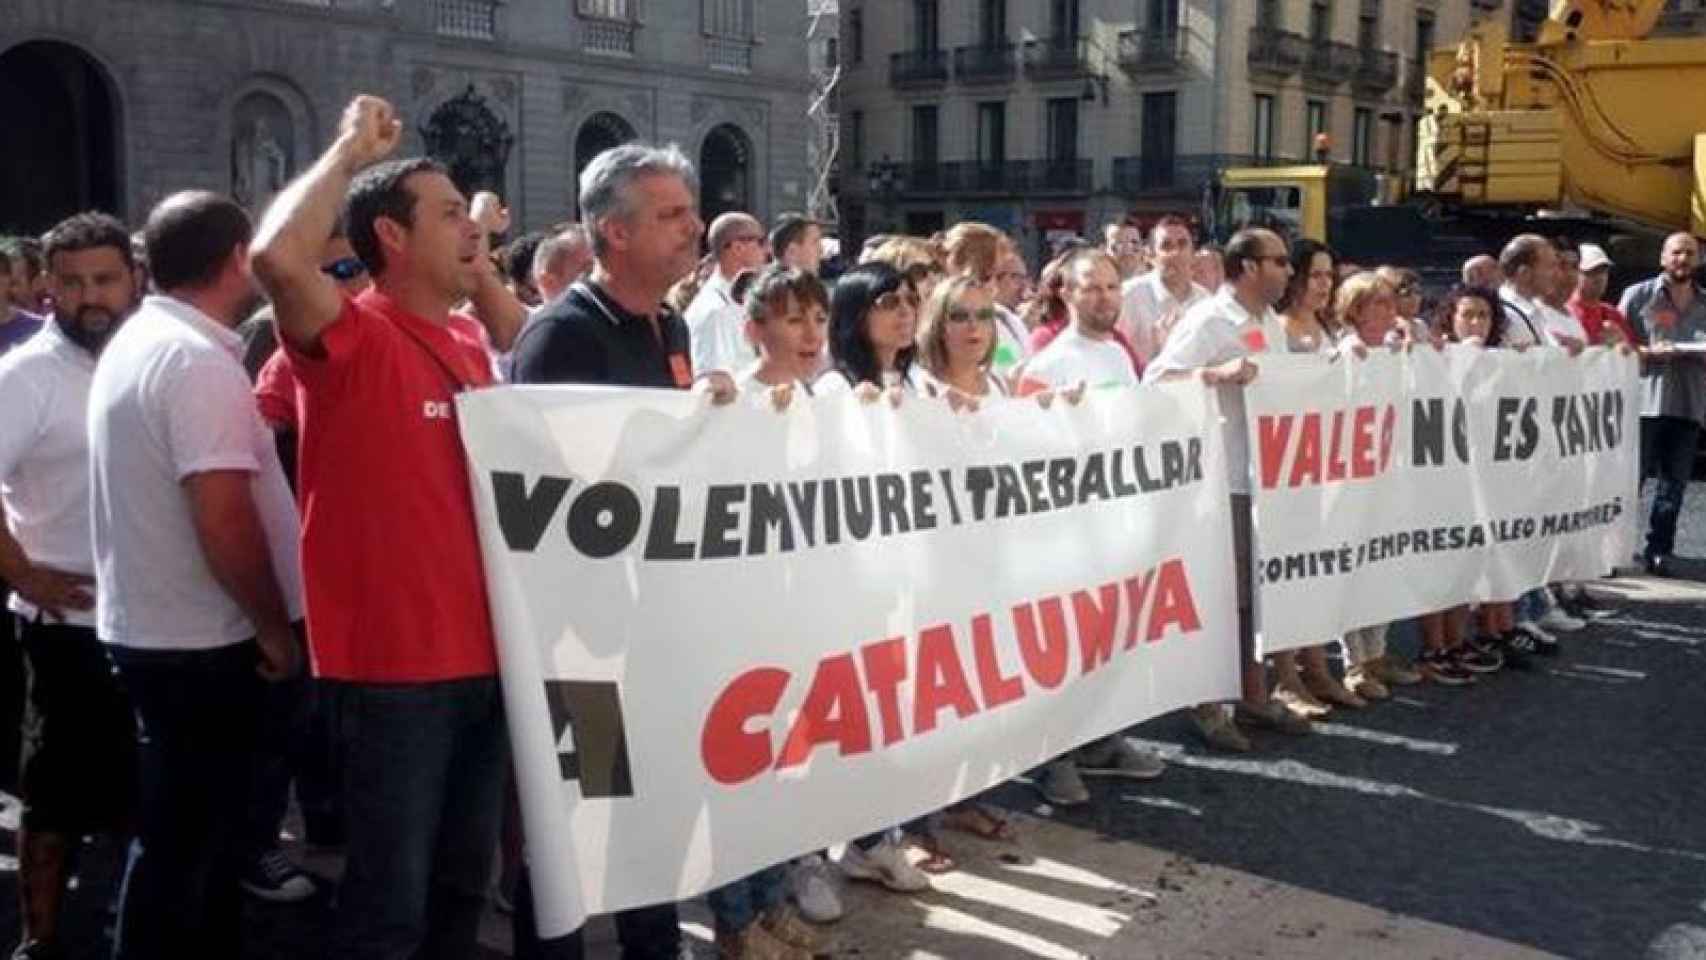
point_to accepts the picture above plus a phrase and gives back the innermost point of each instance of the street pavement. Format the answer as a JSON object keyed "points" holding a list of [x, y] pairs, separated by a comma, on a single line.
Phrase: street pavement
{"points": [[1552, 812]]}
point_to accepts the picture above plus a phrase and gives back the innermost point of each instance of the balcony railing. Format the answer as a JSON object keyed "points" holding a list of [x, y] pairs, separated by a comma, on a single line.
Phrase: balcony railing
{"points": [[1276, 52], [1330, 62], [728, 54], [469, 19], [609, 38], [955, 178], [1059, 176], [1060, 58], [1182, 175], [986, 63], [1149, 51], [1376, 71], [911, 68]]}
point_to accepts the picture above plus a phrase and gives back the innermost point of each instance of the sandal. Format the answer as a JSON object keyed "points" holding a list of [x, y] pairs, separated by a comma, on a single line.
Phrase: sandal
{"points": [[981, 822], [937, 859]]}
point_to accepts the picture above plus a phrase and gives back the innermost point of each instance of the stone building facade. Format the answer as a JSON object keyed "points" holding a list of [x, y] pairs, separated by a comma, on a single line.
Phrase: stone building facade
{"points": [[115, 103]]}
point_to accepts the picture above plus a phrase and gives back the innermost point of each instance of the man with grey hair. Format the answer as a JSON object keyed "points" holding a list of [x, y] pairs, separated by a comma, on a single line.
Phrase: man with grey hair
{"points": [[1530, 266], [638, 206], [561, 260], [1481, 270], [716, 322]]}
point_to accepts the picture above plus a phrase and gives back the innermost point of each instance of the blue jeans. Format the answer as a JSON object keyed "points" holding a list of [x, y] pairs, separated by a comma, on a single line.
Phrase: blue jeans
{"points": [[1667, 454], [736, 905], [423, 767], [1532, 605], [198, 713]]}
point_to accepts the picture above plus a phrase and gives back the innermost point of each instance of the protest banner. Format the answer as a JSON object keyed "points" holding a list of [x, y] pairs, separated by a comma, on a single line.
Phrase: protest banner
{"points": [[1402, 484], [729, 636]]}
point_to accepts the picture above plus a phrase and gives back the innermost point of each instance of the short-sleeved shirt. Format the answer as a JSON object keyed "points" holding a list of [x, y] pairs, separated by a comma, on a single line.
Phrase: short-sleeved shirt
{"points": [[1534, 322], [44, 457], [585, 336], [1676, 388], [21, 326], [1144, 302], [716, 328], [1599, 320], [1071, 358], [170, 399], [1044, 333], [396, 589], [1213, 332]]}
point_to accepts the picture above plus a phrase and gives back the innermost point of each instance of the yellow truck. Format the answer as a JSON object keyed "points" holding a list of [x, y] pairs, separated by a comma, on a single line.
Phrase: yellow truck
{"points": [[1596, 130]]}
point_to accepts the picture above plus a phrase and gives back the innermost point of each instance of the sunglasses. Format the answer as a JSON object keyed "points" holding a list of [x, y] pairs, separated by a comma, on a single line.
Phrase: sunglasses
{"points": [[981, 315], [344, 270], [894, 300]]}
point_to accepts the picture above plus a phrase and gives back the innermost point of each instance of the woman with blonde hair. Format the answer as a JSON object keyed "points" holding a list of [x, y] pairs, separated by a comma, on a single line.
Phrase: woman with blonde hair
{"points": [[977, 250], [919, 261], [957, 339]]}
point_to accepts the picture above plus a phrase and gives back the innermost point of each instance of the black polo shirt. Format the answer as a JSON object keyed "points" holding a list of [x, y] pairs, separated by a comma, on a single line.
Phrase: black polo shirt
{"points": [[585, 336]]}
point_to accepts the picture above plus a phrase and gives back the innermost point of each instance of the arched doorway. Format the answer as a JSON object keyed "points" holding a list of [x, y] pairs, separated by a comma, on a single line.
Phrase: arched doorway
{"points": [[725, 172], [599, 133], [62, 151], [472, 143]]}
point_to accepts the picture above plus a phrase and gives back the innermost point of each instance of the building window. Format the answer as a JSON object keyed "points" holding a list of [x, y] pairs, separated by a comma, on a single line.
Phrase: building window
{"points": [[609, 26], [926, 24], [1316, 111], [1268, 14], [926, 149], [1362, 137], [1063, 20], [831, 53], [1163, 16], [1262, 137], [1368, 25], [730, 27], [471, 19], [992, 22], [1160, 123], [620, 10], [856, 36], [991, 134], [1424, 37], [856, 139], [1320, 21]]}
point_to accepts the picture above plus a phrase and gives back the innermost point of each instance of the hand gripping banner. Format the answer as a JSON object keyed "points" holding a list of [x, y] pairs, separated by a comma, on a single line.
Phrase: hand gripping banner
{"points": [[729, 636], [1408, 483]]}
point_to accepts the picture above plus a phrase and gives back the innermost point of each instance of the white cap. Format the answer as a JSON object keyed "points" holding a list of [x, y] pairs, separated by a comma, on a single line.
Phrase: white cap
{"points": [[1593, 256]]}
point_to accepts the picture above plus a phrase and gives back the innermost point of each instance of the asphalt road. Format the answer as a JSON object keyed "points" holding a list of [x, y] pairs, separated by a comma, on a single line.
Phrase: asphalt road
{"points": [[1560, 808]]}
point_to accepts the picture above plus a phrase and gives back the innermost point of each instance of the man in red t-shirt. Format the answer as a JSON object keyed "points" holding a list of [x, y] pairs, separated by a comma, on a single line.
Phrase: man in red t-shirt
{"points": [[397, 611], [1603, 323]]}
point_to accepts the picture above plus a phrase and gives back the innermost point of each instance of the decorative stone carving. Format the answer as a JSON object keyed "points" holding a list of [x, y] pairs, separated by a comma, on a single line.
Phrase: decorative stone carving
{"points": [[469, 139], [262, 150]]}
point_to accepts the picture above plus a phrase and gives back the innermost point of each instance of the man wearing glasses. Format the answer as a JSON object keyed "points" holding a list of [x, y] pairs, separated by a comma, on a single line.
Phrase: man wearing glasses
{"points": [[715, 321]]}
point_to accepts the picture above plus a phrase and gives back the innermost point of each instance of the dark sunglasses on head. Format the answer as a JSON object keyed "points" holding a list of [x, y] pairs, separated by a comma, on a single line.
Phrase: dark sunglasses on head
{"points": [[344, 270], [894, 300]]}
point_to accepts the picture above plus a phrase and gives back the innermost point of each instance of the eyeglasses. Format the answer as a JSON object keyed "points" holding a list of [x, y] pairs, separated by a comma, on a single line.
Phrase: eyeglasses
{"points": [[894, 300], [962, 315], [345, 270]]}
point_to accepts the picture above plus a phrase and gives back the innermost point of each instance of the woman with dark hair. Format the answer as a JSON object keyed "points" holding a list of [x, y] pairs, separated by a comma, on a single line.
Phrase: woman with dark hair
{"points": [[873, 317], [1480, 321]]}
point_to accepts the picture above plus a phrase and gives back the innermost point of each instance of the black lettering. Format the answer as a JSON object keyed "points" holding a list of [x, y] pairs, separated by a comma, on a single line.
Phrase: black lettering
{"points": [[1172, 465], [804, 496], [661, 541], [979, 480], [891, 504], [523, 516], [604, 519], [1009, 493], [948, 494], [1060, 471], [923, 514], [1427, 432], [1033, 473], [721, 520], [769, 511], [1094, 481], [856, 491]]}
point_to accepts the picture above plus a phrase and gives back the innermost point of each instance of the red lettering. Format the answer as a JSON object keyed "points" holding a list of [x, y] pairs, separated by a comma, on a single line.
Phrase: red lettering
{"points": [[1336, 452], [833, 712], [1174, 605], [997, 689], [885, 668], [941, 680], [1306, 463], [731, 753], [1096, 624], [1045, 657], [1388, 426], [1362, 443], [1136, 589], [1271, 436]]}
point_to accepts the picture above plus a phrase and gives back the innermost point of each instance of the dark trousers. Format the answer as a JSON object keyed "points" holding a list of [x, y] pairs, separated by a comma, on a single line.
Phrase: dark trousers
{"points": [[423, 769], [11, 696], [197, 717], [295, 744], [1668, 445], [648, 933]]}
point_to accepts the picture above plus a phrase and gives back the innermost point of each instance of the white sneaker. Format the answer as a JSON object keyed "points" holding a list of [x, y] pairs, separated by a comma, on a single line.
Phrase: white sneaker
{"points": [[1115, 756], [1557, 619], [886, 864], [813, 892]]}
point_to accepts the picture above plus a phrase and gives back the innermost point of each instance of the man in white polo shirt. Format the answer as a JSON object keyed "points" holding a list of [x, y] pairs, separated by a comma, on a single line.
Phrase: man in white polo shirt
{"points": [[1153, 303], [1215, 341], [195, 543], [716, 324], [79, 754], [1531, 267]]}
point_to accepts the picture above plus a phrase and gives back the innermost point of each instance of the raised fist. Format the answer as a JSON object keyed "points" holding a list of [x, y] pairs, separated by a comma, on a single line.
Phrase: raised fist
{"points": [[369, 131]]}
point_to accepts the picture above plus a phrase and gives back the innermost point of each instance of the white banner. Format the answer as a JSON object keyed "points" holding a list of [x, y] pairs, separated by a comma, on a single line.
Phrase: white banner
{"points": [[729, 636], [1404, 484]]}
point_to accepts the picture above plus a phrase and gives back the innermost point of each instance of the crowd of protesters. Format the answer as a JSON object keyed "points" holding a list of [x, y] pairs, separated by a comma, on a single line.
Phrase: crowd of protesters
{"points": [[241, 545]]}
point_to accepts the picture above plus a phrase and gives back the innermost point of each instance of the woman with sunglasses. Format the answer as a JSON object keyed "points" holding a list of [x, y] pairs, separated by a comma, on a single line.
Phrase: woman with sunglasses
{"points": [[873, 317], [957, 340]]}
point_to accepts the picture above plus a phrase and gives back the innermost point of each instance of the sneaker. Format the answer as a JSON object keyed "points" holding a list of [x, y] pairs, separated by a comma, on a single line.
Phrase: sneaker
{"points": [[757, 943], [1395, 670], [1116, 757], [1556, 619], [273, 878], [1218, 730], [1476, 661], [886, 864], [1438, 667], [1062, 786], [1518, 649], [1362, 682], [1583, 606], [790, 928], [1545, 643], [1270, 716], [812, 890], [1300, 703]]}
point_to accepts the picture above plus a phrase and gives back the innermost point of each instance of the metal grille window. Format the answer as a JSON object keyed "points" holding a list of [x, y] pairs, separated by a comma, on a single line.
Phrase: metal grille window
{"points": [[1362, 137], [1262, 137], [473, 19], [609, 26], [730, 18], [625, 11]]}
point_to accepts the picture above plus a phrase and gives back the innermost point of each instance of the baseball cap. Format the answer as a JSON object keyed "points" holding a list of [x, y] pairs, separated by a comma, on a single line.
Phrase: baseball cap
{"points": [[1593, 257]]}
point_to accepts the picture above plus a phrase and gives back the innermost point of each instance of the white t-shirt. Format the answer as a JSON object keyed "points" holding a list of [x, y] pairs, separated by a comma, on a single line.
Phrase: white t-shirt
{"points": [[1012, 346], [1524, 318], [1144, 302], [716, 329], [1213, 332], [993, 386], [44, 457], [170, 399], [1071, 357]]}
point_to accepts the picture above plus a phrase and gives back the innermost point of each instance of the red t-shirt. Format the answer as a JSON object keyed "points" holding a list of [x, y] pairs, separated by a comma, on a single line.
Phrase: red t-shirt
{"points": [[1595, 317], [391, 560], [275, 391]]}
